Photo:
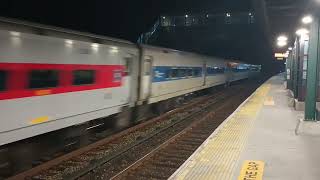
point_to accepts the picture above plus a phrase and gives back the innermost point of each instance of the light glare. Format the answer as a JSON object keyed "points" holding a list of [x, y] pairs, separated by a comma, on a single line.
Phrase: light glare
{"points": [[95, 45], [302, 31], [307, 19], [14, 33], [70, 42], [282, 38], [281, 43]]}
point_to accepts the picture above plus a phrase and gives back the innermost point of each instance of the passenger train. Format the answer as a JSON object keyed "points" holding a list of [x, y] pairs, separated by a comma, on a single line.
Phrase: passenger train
{"points": [[52, 78]]}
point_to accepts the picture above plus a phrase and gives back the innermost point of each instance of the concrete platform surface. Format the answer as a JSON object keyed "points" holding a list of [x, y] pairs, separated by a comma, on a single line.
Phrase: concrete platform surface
{"points": [[258, 141]]}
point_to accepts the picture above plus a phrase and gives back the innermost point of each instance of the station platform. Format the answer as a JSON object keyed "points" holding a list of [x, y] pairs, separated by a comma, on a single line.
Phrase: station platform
{"points": [[260, 140]]}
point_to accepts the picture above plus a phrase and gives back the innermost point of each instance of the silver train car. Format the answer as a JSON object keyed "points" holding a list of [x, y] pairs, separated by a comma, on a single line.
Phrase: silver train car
{"points": [[53, 78]]}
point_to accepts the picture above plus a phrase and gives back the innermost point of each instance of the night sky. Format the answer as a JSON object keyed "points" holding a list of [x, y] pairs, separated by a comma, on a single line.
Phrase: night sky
{"points": [[128, 19], [125, 19]]}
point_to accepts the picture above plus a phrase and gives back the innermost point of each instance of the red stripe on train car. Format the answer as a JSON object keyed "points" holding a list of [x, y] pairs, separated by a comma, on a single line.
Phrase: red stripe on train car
{"points": [[17, 80]]}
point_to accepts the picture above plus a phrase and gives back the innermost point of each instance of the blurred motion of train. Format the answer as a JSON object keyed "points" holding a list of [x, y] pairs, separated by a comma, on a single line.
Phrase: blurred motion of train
{"points": [[53, 78]]}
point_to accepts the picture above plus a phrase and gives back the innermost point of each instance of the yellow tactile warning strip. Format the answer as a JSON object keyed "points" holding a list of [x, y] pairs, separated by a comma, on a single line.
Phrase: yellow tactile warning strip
{"points": [[252, 170], [218, 157], [39, 120], [269, 101]]}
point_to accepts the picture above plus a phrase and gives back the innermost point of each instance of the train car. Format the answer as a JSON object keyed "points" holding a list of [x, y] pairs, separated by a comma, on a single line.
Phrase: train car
{"points": [[255, 70], [216, 72], [169, 73], [239, 71], [48, 82]]}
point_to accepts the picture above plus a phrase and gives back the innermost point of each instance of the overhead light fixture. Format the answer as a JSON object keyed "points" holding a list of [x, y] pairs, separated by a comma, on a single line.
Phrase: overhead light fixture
{"points": [[228, 15], [14, 33], [95, 46], [282, 43], [282, 38], [290, 48], [302, 31], [70, 42], [114, 49], [163, 17], [307, 19], [186, 15]]}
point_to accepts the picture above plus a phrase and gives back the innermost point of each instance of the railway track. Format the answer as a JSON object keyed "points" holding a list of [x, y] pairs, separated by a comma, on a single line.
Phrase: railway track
{"points": [[145, 145], [169, 156]]}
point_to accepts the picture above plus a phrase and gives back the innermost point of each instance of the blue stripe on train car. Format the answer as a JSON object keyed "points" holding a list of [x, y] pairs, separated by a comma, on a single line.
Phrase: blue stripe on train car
{"points": [[171, 73], [213, 71]]}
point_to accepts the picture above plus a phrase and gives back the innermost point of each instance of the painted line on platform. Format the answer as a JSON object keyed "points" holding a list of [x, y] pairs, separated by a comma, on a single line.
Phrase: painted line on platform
{"points": [[252, 170]]}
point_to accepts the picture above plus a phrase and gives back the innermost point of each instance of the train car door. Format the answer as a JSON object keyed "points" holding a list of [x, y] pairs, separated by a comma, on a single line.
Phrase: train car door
{"points": [[204, 67], [131, 77], [146, 79]]}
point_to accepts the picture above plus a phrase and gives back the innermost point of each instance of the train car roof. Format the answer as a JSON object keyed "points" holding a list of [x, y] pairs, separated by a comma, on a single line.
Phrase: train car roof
{"points": [[34, 28], [168, 50]]}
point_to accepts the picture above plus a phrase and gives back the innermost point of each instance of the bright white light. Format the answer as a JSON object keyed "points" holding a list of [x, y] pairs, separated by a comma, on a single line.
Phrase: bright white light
{"points": [[207, 15], [250, 14], [186, 15], [14, 33], [282, 38], [282, 43], [228, 15], [290, 48], [114, 49], [70, 42], [163, 17], [307, 19], [95, 46], [302, 31]]}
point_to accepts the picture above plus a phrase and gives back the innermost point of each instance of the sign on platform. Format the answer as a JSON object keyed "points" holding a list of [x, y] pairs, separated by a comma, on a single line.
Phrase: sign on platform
{"points": [[252, 170], [281, 55]]}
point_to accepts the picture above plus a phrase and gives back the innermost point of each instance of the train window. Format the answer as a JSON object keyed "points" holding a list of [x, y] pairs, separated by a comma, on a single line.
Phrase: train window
{"points": [[147, 67], [168, 73], [43, 79], [196, 72], [220, 70], [83, 77], [3, 80], [189, 72], [174, 73], [181, 72], [128, 62]]}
